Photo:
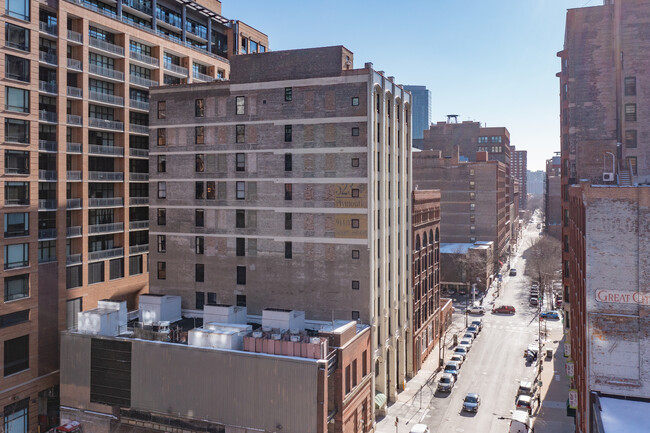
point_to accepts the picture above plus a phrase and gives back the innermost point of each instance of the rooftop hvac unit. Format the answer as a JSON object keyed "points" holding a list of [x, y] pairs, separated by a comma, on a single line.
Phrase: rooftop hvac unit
{"points": [[608, 177], [276, 336], [257, 334], [295, 338]]}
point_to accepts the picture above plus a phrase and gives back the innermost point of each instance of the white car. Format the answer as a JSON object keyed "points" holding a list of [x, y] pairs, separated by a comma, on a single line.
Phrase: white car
{"points": [[467, 344], [476, 309], [457, 358]]}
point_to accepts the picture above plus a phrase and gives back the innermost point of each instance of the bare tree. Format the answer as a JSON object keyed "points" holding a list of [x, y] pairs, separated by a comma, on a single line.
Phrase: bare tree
{"points": [[469, 267], [544, 261]]}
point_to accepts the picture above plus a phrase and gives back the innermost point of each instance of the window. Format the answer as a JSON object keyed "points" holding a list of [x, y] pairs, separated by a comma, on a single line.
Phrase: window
{"points": [[162, 243], [240, 161], [471, 172], [288, 162], [630, 138], [212, 298], [288, 133], [355, 285], [354, 373], [162, 190], [240, 244], [199, 300], [16, 68], [162, 163], [16, 356], [241, 275], [199, 163], [288, 191], [199, 190], [16, 417], [355, 162], [472, 196], [288, 220], [199, 217], [241, 105], [355, 192], [11, 319], [199, 247], [73, 276], [241, 300], [241, 190], [199, 138], [16, 37], [472, 184], [240, 219], [16, 100], [212, 189], [16, 287], [347, 379], [355, 223], [630, 112], [355, 101], [17, 131], [199, 108], [288, 250], [162, 217], [162, 270], [16, 256], [162, 109], [17, 9], [472, 206], [240, 131], [162, 137], [199, 270], [630, 86], [355, 131], [95, 272], [355, 315], [355, 254], [16, 224], [116, 268], [288, 93]]}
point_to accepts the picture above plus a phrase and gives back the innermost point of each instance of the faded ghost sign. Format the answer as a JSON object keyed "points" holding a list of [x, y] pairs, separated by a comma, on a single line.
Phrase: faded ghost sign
{"points": [[618, 297]]}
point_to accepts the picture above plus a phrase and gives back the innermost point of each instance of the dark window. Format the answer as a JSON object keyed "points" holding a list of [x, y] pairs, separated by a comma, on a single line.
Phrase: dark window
{"points": [[630, 138], [288, 191], [162, 217], [199, 190], [355, 254], [200, 244], [288, 250], [12, 319], [199, 163], [116, 268], [288, 93], [347, 379], [199, 108], [16, 37], [355, 223], [162, 270], [241, 105], [355, 192], [355, 285], [162, 243], [135, 265], [212, 298], [240, 161], [17, 131], [355, 101], [16, 68], [630, 112], [16, 355], [241, 274], [240, 131], [162, 137], [630, 86], [288, 220], [355, 132], [16, 287], [162, 109], [288, 162], [241, 300], [212, 189], [240, 219], [162, 163], [199, 217], [288, 133], [199, 137], [96, 272], [355, 315], [199, 269], [16, 100], [355, 162], [199, 300], [74, 276], [240, 246], [240, 190], [16, 224]]}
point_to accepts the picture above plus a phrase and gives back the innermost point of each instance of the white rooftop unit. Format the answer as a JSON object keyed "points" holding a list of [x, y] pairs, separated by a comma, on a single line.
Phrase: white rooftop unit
{"points": [[224, 314], [219, 336], [109, 318], [276, 318], [159, 308], [120, 306]]}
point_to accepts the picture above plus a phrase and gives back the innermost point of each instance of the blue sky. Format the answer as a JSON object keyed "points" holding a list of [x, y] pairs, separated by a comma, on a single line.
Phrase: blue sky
{"points": [[488, 61]]}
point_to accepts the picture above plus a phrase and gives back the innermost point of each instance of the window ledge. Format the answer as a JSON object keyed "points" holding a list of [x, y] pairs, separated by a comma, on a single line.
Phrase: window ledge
{"points": [[17, 373], [17, 300]]}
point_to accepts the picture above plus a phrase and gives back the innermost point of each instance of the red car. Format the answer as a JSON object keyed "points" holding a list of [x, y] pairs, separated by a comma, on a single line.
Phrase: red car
{"points": [[508, 309]]}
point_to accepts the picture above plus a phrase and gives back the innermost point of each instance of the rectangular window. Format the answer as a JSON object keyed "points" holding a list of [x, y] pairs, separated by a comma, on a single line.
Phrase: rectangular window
{"points": [[162, 163], [162, 243], [16, 355], [162, 137], [17, 131], [96, 273], [288, 191], [241, 275], [199, 270], [630, 138], [116, 269], [212, 298], [162, 109], [355, 132], [240, 244], [199, 217], [11, 319], [16, 37], [364, 363], [355, 162], [355, 223], [162, 190], [354, 373], [199, 190], [240, 161], [16, 256], [241, 190], [630, 86], [355, 101], [472, 206], [73, 276], [472, 196], [355, 254], [355, 315], [162, 217], [288, 250], [288, 94], [135, 265], [199, 138], [199, 300], [355, 285], [199, 108], [630, 112], [199, 242], [16, 224], [241, 105], [288, 220], [288, 133], [16, 100], [16, 417], [241, 300], [199, 163], [240, 219], [347, 379], [16, 287], [17, 68], [212, 189], [288, 162], [472, 184], [355, 192], [240, 131], [162, 270]]}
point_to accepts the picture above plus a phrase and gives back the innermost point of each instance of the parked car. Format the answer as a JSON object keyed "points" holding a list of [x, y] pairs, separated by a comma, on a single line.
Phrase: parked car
{"points": [[466, 344], [535, 283], [525, 402], [533, 301], [457, 358], [468, 336], [476, 309], [472, 402], [558, 303], [508, 309], [477, 323], [550, 315], [461, 351], [71, 427], [420, 428], [513, 272], [446, 382], [526, 388], [472, 330], [453, 368], [534, 292]]}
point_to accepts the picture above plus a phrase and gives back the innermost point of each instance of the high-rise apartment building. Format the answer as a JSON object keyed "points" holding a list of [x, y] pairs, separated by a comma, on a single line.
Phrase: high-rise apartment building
{"points": [[421, 97], [519, 171], [288, 185], [604, 196], [535, 182], [74, 190], [552, 198]]}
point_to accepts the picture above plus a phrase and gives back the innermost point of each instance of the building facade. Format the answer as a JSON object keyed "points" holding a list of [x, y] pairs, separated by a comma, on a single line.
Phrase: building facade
{"points": [[519, 172], [426, 304], [553, 198], [75, 164], [535, 182], [421, 109], [288, 185]]}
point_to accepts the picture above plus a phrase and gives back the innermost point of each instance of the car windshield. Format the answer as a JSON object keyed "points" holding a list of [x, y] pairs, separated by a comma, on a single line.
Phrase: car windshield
{"points": [[471, 399], [445, 380], [450, 367], [523, 402]]}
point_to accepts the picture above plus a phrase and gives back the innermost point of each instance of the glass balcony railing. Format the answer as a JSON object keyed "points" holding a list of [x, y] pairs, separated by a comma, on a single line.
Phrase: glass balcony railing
{"points": [[106, 202], [105, 228], [105, 254], [139, 201], [49, 58], [106, 72], [141, 81], [75, 92], [74, 119], [73, 147], [144, 58], [142, 177], [47, 116], [73, 259], [75, 64], [47, 145], [176, 68], [45, 204], [138, 129], [138, 5], [137, 249], [73, 176], [50, 29], [202, 77], [106, 46], [94, 149], [106, 176], [47, 175], [75, 37], [48, 87], [139, 153], [106, 98], [73, 203], [73, 232], [113, 125], [46, 234], [139, 225], [138, 105]]}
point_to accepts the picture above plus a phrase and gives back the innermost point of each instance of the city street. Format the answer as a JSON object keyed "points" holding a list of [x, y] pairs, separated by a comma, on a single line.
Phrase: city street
{"points": [[493, 367]]}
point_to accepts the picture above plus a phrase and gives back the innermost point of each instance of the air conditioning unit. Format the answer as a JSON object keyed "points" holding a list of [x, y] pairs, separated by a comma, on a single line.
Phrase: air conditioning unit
{"points": [[608, 177]]}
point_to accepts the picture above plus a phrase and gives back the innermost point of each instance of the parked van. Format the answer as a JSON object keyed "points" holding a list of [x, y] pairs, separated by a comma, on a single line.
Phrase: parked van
{"points": [[520, 422]]}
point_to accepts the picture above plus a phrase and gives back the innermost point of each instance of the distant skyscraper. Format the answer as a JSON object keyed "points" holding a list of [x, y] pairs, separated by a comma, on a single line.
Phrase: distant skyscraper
{"points": [[519, 171], [421, 109]]}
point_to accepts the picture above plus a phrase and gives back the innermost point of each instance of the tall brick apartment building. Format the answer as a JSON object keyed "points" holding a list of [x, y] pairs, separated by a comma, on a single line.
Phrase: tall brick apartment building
{"points": [[74, 176], [604, 195], [519, 171], [288, 185]]}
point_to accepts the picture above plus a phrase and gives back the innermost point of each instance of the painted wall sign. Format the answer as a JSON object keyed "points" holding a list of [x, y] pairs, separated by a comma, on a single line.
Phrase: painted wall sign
{"points": [[573, 398], [569, 369], [567, 349], [618, 297]]}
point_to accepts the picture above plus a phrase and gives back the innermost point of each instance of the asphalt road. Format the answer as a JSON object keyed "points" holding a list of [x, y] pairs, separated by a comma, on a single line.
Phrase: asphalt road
{"points": [[495, 363]]}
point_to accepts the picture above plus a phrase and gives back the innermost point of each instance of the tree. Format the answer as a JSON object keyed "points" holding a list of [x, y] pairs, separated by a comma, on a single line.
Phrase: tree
{"points": [[544, 261]]}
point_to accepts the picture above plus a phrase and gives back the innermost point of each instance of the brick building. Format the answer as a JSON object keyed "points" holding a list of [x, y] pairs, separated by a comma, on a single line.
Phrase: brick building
{"points": [[288, 185], [426, 309], [552, 198], [519, 168], [74, 184]]}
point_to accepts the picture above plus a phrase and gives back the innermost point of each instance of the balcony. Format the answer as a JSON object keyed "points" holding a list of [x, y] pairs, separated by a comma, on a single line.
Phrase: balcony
{"points": [[138, 249], [105, 254], [47, 116], [106, 176], [47, 146], [50, 29], [106, 46], [143, 82], [47, 205], [138, 6], [74, 120], [202, 77], [73, 176], [75, 37], [106, 72], [49, 58], [73, 232], [106, 98], [75, 65], [139, 129], [94, 149], [138, 153], [47, 175], [175, 69], [113, 125], [139, 201], [143, 58], [138, 105], [106, 202], [139, 225], [139, 177], [73, 203], [73, 259], [105, 228], [48, 87], [73, 147], [46, 234], [75, 92]]}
